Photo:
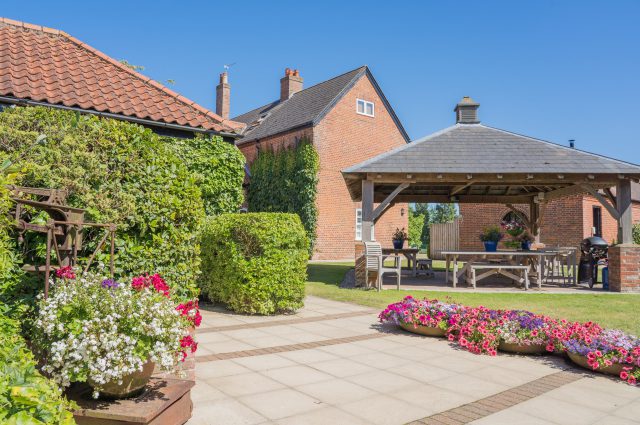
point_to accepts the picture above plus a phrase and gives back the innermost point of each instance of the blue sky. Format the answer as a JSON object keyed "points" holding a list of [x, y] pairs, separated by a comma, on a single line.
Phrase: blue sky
{"points": [[556, 70]]}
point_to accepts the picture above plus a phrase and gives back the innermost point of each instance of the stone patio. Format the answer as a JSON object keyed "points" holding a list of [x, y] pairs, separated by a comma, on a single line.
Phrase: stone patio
{"points": [[332, 363]]}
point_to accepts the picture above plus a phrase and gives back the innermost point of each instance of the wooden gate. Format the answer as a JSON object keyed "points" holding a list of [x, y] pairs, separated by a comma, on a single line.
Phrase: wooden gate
{"points": [[444, 237]]}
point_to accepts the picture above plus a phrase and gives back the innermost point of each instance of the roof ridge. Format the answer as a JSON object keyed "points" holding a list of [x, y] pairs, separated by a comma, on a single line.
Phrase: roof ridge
{"points": [[558, 145], [232, 125]]}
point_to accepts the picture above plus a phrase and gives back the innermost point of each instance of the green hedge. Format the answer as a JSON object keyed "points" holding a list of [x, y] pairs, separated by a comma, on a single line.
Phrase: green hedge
{"points": [[287, 181], [126, 174], [255, 262], [636, 234], [26, 397]]}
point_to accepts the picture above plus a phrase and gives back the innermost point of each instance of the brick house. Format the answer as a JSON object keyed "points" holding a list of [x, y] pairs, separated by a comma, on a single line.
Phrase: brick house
{"points": [[348, 119]]}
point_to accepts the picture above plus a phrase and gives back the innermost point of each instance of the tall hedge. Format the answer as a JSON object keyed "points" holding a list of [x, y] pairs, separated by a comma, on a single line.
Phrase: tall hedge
{"points": [[287, 181], [125, 174], [218, 168], [254, 262]]}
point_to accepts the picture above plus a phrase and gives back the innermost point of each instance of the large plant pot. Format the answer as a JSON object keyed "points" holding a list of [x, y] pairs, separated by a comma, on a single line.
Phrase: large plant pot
{"points": [[490, 246], [398, 244], [522, 349], [423, 330], [131, 384], [526, 245], [614, 369]]}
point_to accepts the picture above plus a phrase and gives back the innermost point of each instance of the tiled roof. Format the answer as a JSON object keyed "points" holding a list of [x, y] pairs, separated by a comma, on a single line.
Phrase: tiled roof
{"points": [[476, 148], [306, 107], [46, 65]]}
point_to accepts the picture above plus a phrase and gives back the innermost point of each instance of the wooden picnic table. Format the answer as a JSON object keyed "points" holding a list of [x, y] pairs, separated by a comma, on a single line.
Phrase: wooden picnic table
{"points": [[534, 258], [411, 254]]}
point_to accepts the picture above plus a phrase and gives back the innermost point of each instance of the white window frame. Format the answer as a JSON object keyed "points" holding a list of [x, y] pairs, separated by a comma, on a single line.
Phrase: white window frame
{"points": [[358, 235], [364, 108]]}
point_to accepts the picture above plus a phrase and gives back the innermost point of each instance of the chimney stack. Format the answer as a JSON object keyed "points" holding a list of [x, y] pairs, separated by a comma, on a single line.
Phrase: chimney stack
{"points": [[223, 97], [290, 84], [467, 111]]}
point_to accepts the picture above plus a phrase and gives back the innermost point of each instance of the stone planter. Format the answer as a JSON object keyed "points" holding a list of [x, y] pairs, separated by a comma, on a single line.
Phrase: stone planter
{"points": [[423, 330], [614, 369], [522, 349], [131, 384]]}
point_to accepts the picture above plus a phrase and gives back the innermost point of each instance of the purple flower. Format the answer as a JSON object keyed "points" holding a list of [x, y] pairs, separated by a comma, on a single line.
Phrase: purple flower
{"points": [[109, 283]]}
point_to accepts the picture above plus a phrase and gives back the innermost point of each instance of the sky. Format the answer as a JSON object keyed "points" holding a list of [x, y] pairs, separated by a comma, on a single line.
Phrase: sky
{"points": [[555, 70]]}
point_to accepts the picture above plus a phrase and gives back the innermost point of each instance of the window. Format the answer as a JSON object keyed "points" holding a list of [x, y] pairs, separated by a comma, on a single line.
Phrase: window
{"points": [[597, 221], [365, 108], [359, 226]]}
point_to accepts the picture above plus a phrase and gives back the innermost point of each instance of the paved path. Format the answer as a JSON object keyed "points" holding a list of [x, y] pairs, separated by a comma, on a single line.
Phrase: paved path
{"points": [[332, 363]]}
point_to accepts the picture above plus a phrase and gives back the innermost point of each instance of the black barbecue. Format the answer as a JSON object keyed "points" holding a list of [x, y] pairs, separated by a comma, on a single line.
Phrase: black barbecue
{"points": [[594, 253]]}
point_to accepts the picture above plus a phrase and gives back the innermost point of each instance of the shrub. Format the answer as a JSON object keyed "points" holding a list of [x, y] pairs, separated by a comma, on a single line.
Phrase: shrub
{"points": [[255, 262], [218, 167], [26, 397], [121, 173], [287, 181], [636, 234]]}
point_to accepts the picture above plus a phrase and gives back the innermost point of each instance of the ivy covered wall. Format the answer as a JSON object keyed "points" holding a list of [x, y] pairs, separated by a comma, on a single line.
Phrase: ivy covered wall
{"points": [[286, 181]]}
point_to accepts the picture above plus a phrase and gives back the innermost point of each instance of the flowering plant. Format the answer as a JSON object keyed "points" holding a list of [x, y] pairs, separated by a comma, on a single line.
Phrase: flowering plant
{"points": [[99, 330], [400, 235], [491, 234], [432, 313], [513, 227], [525, 328], [476, 331]]}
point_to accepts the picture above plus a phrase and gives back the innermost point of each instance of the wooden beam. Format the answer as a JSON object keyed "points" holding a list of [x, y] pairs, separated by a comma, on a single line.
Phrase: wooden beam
{"points": [[384, 204], [507, 178], [367, 210], [458, 189], [625, 215], [612, 210], [574, 189], [611, 196], [462, 199]]}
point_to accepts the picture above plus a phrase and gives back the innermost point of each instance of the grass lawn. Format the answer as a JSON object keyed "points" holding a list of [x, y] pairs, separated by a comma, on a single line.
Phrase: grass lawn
{"points": [[621, 311]]}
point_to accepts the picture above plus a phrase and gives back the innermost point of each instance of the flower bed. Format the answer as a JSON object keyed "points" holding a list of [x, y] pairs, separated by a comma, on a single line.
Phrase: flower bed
{"points": [[484, 331], [104, 332]]}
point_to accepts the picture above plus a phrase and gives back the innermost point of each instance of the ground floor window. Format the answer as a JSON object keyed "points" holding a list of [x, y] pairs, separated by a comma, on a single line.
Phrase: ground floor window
{"points": [[359, 226], [597, 221]]}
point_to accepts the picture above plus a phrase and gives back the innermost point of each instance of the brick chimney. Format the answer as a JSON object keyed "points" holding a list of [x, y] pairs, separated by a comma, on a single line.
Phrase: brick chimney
{"points": [[467, 111], [223, 97], [289, 84]]}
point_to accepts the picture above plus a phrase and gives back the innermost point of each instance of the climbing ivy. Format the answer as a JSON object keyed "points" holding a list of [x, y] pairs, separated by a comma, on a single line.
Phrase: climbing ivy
{"points": [[286, 181]]}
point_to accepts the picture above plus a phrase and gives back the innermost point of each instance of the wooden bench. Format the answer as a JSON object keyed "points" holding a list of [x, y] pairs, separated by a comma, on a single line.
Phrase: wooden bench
{"points": [[500, 268]]}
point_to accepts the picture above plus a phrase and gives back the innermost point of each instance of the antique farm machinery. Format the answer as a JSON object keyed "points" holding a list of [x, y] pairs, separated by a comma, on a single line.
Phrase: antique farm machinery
{"points": [[64, 229]]}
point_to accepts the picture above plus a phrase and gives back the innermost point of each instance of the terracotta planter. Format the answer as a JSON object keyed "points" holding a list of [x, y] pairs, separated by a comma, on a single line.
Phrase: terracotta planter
{"points": [[131, 384], [614, 369], [522, 349], [423, 330]]}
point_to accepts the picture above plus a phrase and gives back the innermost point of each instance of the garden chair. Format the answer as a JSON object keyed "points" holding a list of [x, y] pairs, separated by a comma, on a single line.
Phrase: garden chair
{"points": [[374, 261]]}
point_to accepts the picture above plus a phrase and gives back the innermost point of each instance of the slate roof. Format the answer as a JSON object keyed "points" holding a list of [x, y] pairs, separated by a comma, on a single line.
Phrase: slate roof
{"points": [[476, 148], [46, 65], [306, 107]]}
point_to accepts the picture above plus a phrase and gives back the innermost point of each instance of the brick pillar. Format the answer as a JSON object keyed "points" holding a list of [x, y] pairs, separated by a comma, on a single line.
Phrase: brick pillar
{"points": [[624, 268]]}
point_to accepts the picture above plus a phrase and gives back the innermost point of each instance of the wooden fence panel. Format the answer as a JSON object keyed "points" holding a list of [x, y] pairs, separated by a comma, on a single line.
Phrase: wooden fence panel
{"points": [[443, 237]]}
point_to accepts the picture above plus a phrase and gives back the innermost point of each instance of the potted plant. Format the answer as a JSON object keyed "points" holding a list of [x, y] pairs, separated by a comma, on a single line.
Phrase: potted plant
{"points": [[399, 236], [612, 352], [111, 335], [490, 237], [523, 332], [424, 317], [526, 240]]}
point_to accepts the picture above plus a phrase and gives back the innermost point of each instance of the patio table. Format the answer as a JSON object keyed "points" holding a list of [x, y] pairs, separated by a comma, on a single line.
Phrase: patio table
{"points": [[535, 258], [411, 255]]}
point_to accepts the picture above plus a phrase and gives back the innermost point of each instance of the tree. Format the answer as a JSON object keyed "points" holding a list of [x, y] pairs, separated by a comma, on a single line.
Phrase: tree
{"points": [[416, 225], [443, 213]]}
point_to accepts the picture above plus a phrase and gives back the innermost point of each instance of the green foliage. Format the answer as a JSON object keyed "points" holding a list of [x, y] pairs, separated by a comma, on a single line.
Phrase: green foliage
{"points": [[491, 234], [636, 233], [218, 168], [416, 224], [121, 173], [254, 262], [287, 181], [26, 397], [443, 213]]}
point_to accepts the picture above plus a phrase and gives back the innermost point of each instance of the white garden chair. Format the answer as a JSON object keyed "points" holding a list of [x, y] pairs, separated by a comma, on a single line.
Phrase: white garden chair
{"points": [[374, 261]]}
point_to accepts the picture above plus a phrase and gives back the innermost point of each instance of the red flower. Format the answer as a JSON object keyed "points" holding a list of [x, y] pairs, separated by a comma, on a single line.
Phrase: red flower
{"points": [[65, 272]]}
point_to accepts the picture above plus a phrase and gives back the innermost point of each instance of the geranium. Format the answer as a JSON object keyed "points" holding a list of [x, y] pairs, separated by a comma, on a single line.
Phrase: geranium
{"points": [[411, 311], [154, 281], [65, 272], [191, 311], [86, 335]]}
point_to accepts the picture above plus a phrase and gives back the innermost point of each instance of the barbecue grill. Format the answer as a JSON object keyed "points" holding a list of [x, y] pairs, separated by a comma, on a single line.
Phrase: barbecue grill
{"points": [[594, 253]]}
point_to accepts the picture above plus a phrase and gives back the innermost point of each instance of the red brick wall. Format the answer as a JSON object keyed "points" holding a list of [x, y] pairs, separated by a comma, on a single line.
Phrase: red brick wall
{"points": [[624, 268], [566, 221], [345, 138]]}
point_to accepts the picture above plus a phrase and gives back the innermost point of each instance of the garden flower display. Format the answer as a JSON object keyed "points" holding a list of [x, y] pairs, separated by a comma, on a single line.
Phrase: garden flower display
{"points": [[525, 328], [476, 331], [432, 313], [98, 330]]}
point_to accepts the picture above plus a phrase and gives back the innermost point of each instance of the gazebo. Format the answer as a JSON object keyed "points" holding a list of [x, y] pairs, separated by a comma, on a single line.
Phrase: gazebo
{"points": [[473, 163]]}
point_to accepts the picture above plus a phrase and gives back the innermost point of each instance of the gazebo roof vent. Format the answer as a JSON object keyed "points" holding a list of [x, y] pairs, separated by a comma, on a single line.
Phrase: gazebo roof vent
{"points": [[467, 111]]}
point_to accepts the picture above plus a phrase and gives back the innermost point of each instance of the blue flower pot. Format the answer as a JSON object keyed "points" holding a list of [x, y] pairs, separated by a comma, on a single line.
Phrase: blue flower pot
{"points": [[491, 246], [398, 244], [526, 245]]}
